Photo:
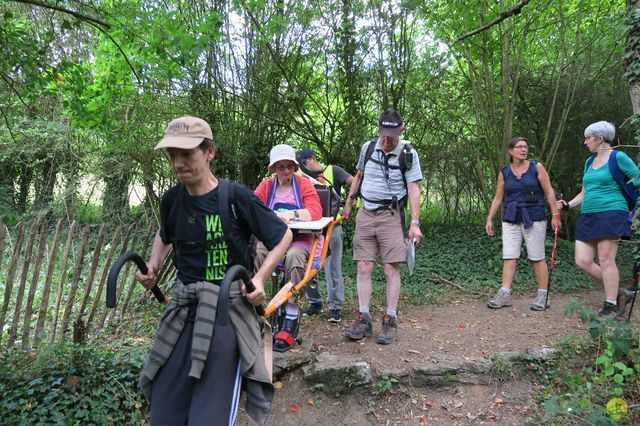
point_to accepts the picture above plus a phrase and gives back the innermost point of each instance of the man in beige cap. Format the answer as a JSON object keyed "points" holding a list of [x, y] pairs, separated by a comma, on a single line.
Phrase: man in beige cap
{"points": [[195, 367]]}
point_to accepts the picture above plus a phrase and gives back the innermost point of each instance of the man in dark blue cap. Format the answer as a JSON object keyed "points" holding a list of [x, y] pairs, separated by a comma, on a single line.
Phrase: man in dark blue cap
{"points": [[335, 177], [388, 177]]}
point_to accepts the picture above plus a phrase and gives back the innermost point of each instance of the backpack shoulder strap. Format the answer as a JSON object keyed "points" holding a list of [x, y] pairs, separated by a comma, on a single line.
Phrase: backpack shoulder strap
{"points": [[588, 163], [226, 209], [223, 204], [175, 206], [402, 159], [614, 168], [629, 191], [367, 155]]}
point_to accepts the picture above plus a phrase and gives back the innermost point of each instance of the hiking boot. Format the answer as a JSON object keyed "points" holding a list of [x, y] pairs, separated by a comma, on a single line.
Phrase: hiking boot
{"points": [[538, 302], [312, 310], [361, 327], [624, 298], [609, 310], [389, 330], [502, 300], [335, 316]]}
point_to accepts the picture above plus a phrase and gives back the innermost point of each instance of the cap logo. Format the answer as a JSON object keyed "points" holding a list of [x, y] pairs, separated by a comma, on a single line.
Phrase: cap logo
{"points": [[389, 124], [178, 127]]}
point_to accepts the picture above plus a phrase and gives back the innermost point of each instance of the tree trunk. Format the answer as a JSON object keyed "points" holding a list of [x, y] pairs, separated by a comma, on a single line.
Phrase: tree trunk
{"points": [[632, 58], [115, 200]]}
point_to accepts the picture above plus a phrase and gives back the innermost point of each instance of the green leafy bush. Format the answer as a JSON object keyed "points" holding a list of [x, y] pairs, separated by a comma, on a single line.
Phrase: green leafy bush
{"points": [[67, 384], [594, 381]]}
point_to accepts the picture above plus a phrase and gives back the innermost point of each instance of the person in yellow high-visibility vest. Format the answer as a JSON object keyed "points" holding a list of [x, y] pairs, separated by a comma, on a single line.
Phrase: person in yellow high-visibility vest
{"points": [[335, 177]]}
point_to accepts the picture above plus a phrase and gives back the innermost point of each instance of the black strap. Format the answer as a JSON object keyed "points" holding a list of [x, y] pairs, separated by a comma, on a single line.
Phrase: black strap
{"points": [[226, 207]]}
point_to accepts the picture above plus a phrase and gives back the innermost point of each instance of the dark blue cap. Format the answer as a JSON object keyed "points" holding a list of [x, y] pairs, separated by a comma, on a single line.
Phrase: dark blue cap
{"points": [[305, 154]]}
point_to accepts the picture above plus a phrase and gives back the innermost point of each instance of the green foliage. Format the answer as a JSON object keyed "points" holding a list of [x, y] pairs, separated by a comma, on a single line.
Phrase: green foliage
{"points": [[589, 391], [385, 383], [466, 256], [371, 407], [65, 384], [501, 367]]}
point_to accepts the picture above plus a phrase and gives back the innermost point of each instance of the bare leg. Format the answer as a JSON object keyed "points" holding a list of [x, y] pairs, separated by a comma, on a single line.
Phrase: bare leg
{"points": [[508, 272], [607, 251], [585, 252], [542, 274], [392, 273], [365, 288]]}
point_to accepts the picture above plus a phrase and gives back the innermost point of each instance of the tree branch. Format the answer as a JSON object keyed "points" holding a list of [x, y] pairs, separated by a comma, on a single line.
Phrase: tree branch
{"points": [[6, 121], [503, 15], [124, 55], [77, 15], [10, 84]]}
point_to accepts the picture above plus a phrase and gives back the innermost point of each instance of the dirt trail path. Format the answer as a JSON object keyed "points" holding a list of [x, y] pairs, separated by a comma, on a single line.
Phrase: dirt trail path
{"points": [[462, 328]]}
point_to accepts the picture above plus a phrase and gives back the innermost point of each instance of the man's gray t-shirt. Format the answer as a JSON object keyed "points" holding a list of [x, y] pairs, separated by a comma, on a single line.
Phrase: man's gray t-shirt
{"points": [[381, 183], [340, 177]]}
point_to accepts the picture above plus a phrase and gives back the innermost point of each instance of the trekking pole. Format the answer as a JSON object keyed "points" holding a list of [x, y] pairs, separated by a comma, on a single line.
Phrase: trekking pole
{"points": [[635, 292], [112, 279], [553, 258]]}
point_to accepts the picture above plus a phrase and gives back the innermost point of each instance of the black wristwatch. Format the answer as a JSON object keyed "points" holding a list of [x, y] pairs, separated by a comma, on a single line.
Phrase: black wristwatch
{"points": [[296, 215]]}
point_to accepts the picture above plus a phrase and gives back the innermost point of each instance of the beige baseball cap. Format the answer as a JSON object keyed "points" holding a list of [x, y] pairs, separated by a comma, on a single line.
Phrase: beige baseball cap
{"points": [[185, 133]]}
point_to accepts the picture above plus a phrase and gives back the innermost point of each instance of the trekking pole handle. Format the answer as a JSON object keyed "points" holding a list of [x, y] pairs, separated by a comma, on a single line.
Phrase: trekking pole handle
{"points": [[112, 279], [560, 198], [234, 273]]}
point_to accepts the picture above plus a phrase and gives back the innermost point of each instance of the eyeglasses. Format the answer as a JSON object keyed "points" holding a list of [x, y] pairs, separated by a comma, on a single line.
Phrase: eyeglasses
{"points": [[521, 147], [283, 167]]}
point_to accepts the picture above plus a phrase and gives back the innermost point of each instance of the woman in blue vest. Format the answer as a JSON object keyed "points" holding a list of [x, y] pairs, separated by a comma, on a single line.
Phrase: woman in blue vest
{"points": [[603, 212], [521, 190]]}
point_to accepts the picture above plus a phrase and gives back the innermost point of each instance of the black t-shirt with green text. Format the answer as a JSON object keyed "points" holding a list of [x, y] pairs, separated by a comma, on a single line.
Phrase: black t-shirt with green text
{"points": [[194, 227]]}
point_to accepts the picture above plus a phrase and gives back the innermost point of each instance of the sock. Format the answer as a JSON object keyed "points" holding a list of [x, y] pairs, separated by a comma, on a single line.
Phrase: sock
{"points": [[364, 310], [392, 313], [613, 302], [292, 311], [507, 290], [542, 290]]}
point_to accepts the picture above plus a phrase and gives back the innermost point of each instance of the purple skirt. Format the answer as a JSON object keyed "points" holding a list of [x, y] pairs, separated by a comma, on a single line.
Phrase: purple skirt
{"points": [[608, 224]]}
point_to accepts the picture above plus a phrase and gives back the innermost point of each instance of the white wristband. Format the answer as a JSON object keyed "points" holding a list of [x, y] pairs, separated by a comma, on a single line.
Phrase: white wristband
{"points": [[415, 222]]}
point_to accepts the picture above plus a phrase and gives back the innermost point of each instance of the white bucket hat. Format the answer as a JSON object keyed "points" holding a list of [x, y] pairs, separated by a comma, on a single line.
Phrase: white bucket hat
{"points": [[282, 152]]}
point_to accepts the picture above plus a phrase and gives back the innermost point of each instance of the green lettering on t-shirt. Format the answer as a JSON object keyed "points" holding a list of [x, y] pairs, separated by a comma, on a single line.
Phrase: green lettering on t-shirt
{"points": [[213, 223], [217, 252]]}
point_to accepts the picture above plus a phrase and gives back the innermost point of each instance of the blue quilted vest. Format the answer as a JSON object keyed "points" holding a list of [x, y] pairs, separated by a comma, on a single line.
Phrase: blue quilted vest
{"points": [[523, 200]]}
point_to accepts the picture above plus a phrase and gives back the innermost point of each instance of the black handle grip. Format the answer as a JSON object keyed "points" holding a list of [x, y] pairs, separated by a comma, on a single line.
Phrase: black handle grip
{"points": [[233, 273], [113, 277]]}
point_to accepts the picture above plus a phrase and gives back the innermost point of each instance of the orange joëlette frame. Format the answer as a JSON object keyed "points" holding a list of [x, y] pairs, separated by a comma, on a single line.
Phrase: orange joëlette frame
{"points": [[289, 289]]}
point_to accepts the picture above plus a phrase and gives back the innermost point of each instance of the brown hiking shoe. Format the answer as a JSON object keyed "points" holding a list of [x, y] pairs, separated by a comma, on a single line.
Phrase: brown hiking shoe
{"points": [[360, 328], [609, 310], [389, 330]]}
